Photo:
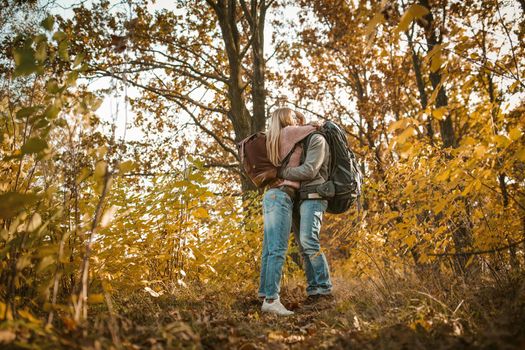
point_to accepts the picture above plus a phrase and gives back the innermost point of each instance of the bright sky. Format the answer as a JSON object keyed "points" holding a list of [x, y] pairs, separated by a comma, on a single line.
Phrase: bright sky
{"points": [[114, 106]]}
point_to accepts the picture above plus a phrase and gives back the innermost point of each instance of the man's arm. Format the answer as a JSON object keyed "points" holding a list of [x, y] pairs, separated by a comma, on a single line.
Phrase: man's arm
{"points": [[312, 164]]}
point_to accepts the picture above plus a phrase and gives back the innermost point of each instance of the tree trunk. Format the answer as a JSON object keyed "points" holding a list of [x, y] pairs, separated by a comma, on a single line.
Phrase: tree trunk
{"points": [[416, 63], [461, 235], [258, 92], [243, 123]]}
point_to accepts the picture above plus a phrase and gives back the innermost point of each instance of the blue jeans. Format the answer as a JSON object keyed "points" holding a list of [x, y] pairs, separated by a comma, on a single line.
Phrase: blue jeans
{"points": [[277, 212], [307, 225]]}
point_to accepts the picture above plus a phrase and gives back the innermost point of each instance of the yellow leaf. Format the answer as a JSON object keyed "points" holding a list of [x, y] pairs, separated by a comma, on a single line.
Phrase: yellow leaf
{"points": [[23, 262], [475, 184], [34, 222], [127, 166], [404, 149], [96, 299], [408, 132], [108, 215], [410, 240], [480, 151], [515, 134], [520, 154], [500, 140], [443, 176], [436, 62], [152, 292], [415, 11], [28, 316], [468, 141], [439, 113], [377, 19], [440, 206], [201, 213], [100, 169], [83, 174], [101, 151], [398, 124], [45, 262]]}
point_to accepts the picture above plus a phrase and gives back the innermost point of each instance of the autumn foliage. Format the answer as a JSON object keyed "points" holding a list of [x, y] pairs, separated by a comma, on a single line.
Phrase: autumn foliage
{"points": [[146, 234]]}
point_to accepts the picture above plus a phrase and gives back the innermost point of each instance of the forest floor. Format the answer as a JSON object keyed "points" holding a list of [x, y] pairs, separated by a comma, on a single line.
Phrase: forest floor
{"points": [[396, 315]]}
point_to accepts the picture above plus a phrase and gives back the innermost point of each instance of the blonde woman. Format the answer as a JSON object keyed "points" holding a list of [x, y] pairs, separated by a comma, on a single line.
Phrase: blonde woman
{"points": [[282, 137]]}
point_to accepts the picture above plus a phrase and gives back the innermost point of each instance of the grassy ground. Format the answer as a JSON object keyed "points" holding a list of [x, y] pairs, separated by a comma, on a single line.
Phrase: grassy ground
{"points": [[390, 314]]}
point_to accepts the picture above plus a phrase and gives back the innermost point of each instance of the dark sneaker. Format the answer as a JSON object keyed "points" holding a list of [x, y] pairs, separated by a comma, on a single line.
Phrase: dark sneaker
{"points": [[326, 297], [318, 302], [311, 299]]}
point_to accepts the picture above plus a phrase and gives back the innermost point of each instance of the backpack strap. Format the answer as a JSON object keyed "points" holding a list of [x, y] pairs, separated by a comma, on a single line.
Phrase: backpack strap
{"points": [[288, 156], [306, 143]]}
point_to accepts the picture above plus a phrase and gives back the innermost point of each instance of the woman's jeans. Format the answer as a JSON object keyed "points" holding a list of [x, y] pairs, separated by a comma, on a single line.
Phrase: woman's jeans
{"points": [[277, 212], [315, 263]]}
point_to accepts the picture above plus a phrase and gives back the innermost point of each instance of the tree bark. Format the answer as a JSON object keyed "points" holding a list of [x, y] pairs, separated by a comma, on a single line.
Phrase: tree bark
{"points": [[243, 123], [461, 235], [416, 63], [258, 91], [446, 129]]}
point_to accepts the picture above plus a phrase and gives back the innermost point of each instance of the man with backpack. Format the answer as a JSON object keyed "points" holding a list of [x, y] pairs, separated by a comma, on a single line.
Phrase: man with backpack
{"points": [[313, 172]]}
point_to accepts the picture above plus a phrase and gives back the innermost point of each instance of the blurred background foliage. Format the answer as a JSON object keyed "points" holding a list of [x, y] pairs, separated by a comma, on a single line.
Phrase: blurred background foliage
{"points": [[429, 92]]}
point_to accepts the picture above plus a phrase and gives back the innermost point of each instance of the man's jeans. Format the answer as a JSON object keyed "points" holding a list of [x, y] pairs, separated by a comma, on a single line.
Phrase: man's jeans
{"points": [[307, 234], [277, 210]]}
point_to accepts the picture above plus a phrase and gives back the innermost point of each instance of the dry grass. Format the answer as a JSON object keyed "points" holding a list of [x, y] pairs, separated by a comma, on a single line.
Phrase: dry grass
{"points": [[395, 312]]}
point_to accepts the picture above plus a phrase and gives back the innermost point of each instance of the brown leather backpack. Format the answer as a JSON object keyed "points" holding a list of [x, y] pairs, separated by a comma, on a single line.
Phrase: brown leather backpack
{"points": [[254, 158]]}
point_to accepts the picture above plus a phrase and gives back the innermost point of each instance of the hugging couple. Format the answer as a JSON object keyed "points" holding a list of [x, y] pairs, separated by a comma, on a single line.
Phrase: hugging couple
{"points": [[287, 206]]}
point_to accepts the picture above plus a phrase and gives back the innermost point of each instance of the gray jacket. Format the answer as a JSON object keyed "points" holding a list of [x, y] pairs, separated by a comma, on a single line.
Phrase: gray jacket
{"points": [[314, 170]]}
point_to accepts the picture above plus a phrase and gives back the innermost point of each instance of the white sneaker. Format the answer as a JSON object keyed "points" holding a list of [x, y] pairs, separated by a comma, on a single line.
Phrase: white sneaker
{"points": [[276, 308]]}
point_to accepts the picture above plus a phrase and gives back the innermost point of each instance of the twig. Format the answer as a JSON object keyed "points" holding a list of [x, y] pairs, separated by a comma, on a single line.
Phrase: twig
{"points": [[478, 252]]}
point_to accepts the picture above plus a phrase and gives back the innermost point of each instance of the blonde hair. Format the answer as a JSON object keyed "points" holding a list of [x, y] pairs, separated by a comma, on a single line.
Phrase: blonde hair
{"points": [[281, 117]]}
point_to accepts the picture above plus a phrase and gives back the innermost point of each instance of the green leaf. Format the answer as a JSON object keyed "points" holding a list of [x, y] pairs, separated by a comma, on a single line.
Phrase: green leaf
{"points": [[41, 51], [11, 203], [78, 59], [34, 145], [62, 50], [24, 61], [51, 112], [41, 123], [59, 36], [72, 78], [24, 113], [48, 23], [52, 86]]}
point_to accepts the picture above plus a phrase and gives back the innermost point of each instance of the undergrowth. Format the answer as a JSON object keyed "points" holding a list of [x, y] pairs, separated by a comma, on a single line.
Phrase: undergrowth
{"points": [[396, 312]]}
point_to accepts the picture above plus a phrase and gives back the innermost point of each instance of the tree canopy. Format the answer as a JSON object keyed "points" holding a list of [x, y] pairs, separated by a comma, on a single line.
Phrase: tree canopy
{"points": [[148, 234]]}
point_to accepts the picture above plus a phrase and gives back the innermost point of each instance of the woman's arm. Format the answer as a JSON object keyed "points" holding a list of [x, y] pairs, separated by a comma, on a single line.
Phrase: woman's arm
{"points": [[315, 154]]}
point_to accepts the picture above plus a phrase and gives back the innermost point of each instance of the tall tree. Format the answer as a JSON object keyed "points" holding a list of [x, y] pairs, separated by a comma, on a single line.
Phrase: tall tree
{"points": [[203, 62]]}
